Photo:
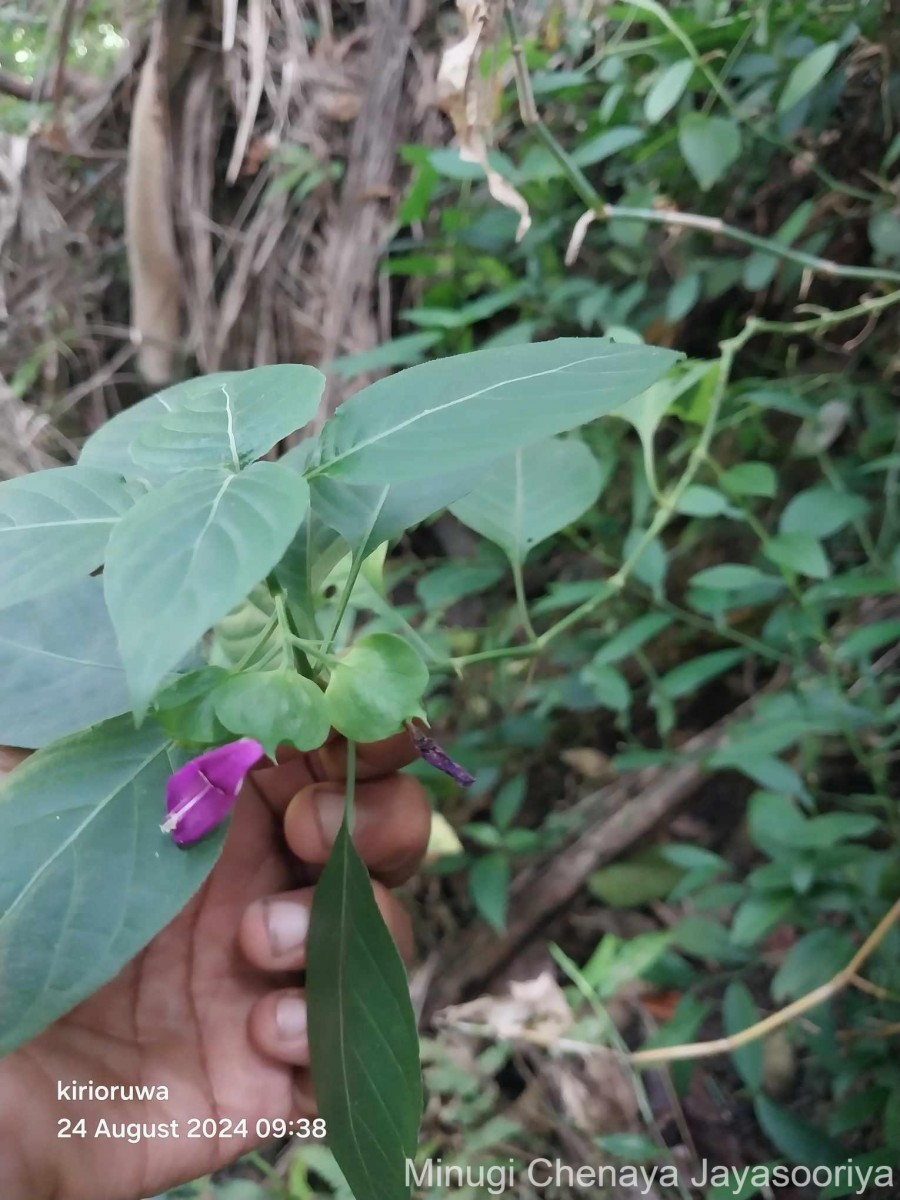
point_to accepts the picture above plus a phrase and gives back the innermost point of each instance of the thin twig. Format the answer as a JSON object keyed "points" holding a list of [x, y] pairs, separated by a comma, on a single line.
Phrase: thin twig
{"points": [[727, 1045]]}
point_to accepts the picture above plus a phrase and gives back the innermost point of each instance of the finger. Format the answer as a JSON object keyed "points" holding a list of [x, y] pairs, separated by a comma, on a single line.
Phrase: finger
{"points": [[390, 830], [278, 1026], [373, 759], [273, 931], [279, 783], [304, 1100]]}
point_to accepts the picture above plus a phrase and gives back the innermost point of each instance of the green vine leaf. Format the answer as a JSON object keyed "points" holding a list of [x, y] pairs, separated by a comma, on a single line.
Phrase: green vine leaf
{"points": [[66, 923], [60, 665], [274, 707], [187, 554], [54, 527], [363, 1041], [375, 688], [186, 708], [532, 494], [227, 420], [465, 410]]}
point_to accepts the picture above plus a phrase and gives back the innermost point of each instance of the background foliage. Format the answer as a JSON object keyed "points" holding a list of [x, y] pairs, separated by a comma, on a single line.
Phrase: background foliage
{"points": [[763, 609]]}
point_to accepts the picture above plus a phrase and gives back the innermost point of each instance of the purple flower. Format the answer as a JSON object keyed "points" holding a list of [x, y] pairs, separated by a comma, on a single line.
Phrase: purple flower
{"points": [[202, 793], [433, 754]]}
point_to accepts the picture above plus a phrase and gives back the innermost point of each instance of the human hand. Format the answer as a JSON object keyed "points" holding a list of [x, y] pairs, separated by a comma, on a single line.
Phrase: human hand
{"points": [[211, 1008]]}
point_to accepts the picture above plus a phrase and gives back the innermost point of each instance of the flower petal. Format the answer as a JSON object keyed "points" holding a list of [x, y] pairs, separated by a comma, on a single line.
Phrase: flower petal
{"points": [[202, 793]]}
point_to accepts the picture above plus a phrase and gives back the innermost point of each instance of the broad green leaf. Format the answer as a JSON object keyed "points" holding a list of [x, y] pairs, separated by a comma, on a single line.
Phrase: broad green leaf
{"points": [[821, 511], [701, 501], [54, 527], [690, 676], [454, 581], [816, 958], [884, 234], [186, 710], [865, 641], [609, 686], [710, 146], [631, 638], [468, 409], [750, 479], [363, 1040], [489, 888], [667, 90], [607, 144], [758, 915], [799, 552], [375, 687], [739, 1012], [86, 876], [634, 882], [187, 554], [800, 1142], [531, 495], [398, 352], [274, 707], [366, 516], [807, 74], [760, 267], [227, 419], [60, 666]]}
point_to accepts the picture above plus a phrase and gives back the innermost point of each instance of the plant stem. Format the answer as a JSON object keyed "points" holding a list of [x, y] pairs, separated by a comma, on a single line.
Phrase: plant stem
{"points": [[522, 601], [727, 1045]]}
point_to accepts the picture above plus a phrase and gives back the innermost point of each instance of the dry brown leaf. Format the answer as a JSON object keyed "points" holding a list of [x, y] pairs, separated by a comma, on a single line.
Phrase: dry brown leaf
{"points": [[590, 763], [469, 101], [536, 1007]]}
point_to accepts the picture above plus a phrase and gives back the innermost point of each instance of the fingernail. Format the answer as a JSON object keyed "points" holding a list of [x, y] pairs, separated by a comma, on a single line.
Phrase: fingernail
{"points": [[290, 1018], [330, 814], [286, 924]]}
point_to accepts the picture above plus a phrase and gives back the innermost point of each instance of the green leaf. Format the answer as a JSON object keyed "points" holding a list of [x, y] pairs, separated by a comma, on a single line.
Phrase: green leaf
{"points": [[758, 915], [700, 501], [816, 958], [54, 527], [489, 889], [863, 642], [750, 479], [398, 352], [710, 146], [77, 821], [375, 687], [738, 1013], [227, 419], [454, 581], [807, 74], [187, 554], [608, 685], [607, 144], [800, 1142], [634, 882], [472, 408], [630, 639], [274, 707], [363, 1041], [729, 577], [667, 90], [799, 552], [236, 635], [60, 666], [186, 711], [366, 516], [821, 511], [687, 678], [531, 495]]}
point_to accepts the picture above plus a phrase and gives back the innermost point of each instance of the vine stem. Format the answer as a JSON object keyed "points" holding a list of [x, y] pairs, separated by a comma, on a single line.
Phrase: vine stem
{"points": [[727, 1045], [714, 226]]}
